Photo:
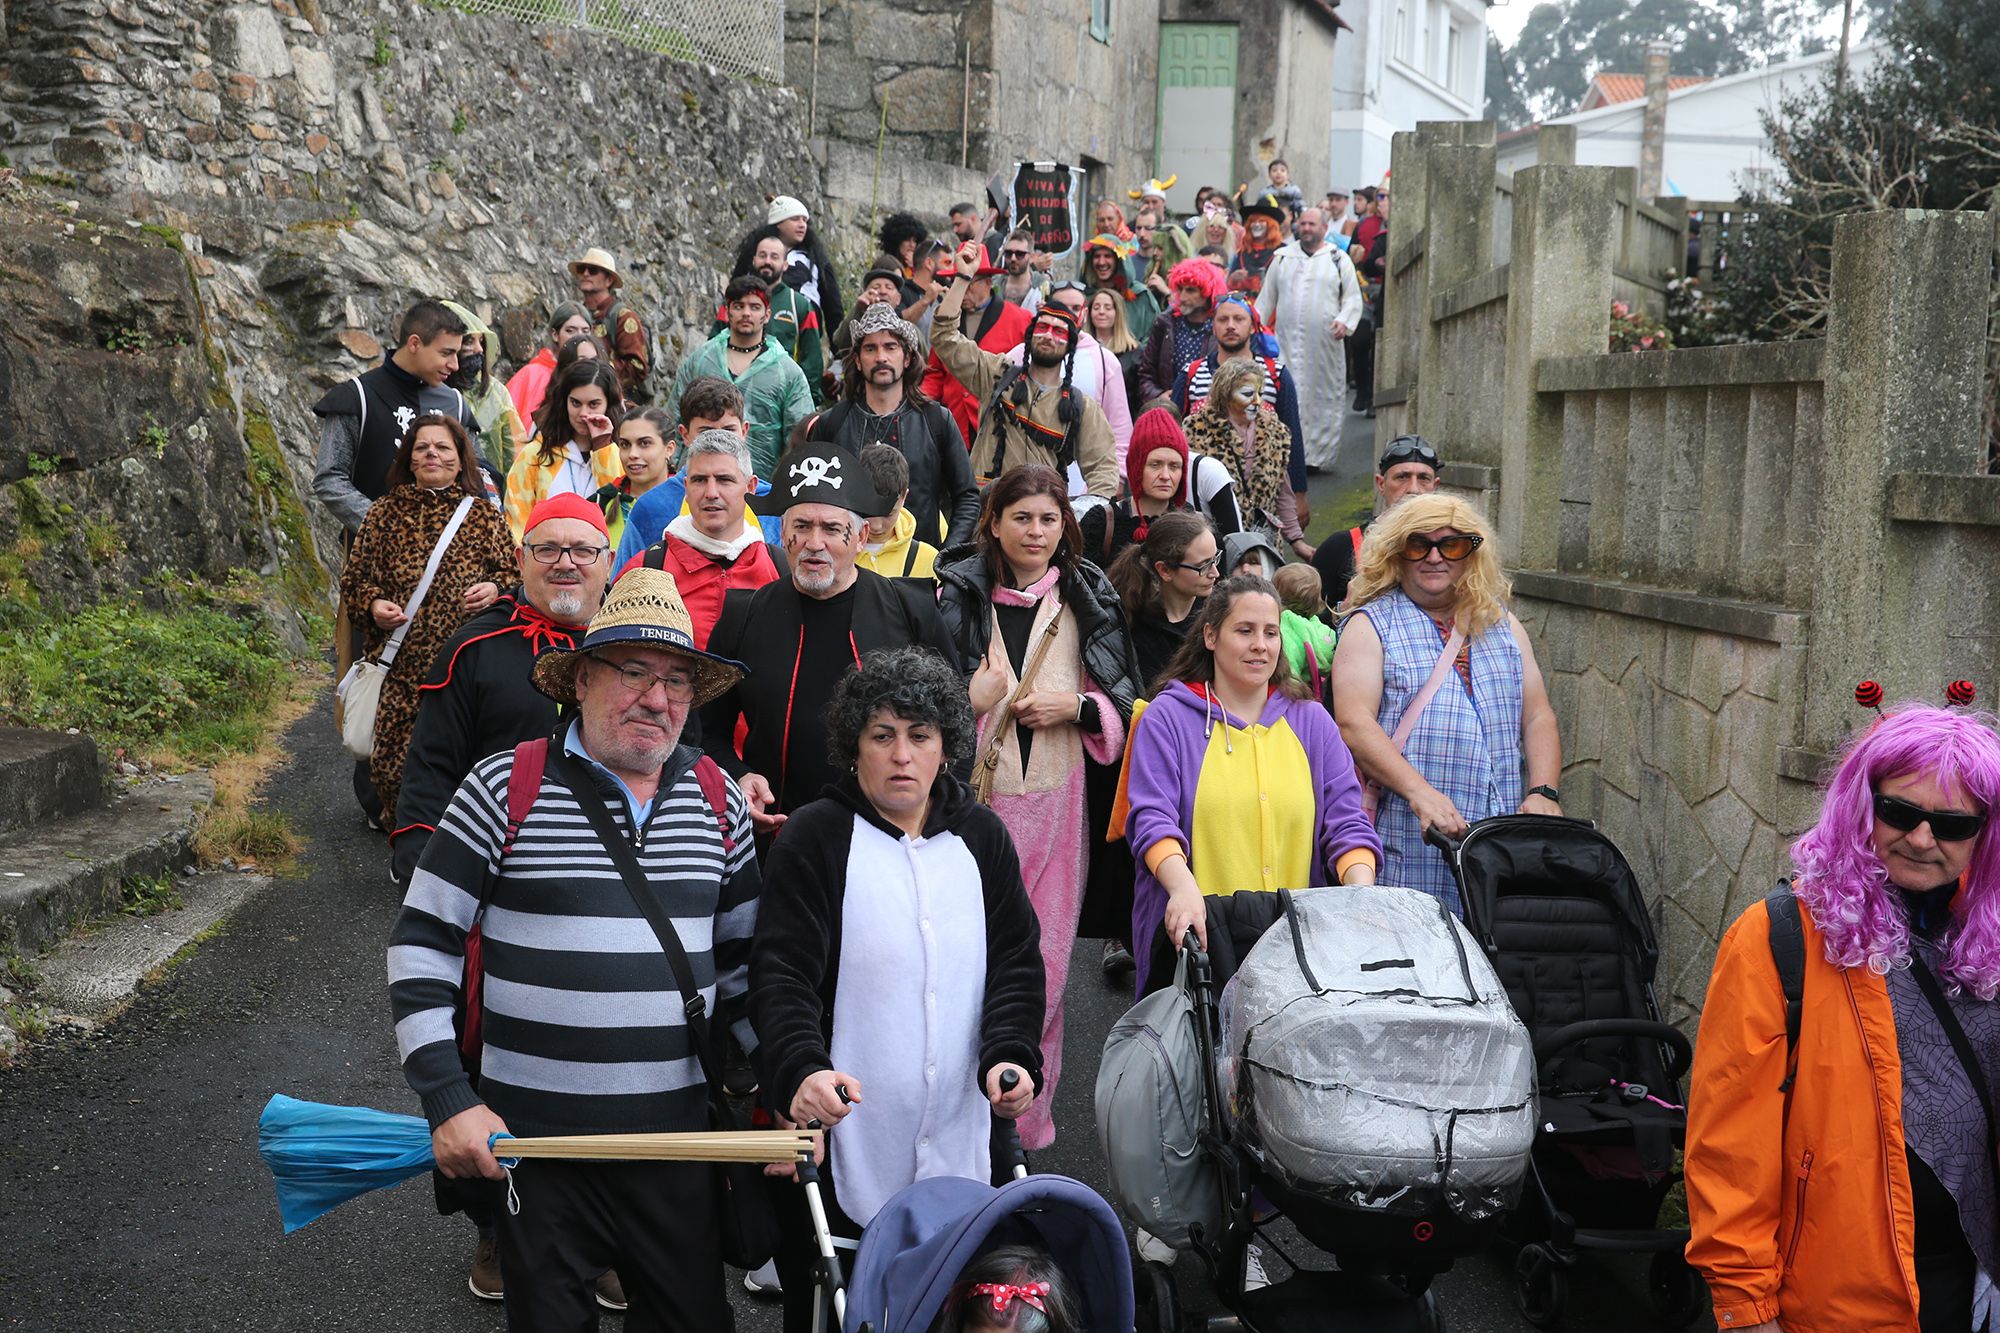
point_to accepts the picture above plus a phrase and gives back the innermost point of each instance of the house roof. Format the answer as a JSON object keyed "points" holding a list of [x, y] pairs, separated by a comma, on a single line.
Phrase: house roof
{"points": [[1324, 11], [1609, 89]]}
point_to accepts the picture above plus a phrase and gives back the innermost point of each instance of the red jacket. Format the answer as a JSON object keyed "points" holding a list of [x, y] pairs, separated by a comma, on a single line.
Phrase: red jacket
{"points": [[703, 580], [1003, 327]]}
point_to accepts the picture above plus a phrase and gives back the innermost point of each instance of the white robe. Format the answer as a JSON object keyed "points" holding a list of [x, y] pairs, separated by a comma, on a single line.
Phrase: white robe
{"points": [[1302, 298]]}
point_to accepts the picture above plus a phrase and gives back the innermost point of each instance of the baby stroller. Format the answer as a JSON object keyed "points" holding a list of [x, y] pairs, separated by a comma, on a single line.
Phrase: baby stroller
{"points": [[1361, 1077], [1558, 910], [912, 1252]]}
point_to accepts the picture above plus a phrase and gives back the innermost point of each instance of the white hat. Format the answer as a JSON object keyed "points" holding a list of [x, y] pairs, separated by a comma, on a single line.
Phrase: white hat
{"points": [[596, 258], [784, 206]]}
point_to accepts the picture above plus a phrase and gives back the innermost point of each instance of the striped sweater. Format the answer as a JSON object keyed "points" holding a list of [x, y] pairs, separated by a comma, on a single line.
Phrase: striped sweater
{"points": [[583, 1027]]}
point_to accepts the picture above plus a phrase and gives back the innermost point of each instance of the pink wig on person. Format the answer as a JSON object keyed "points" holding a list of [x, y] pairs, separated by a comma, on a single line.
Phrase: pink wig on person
{"points": [[1199, 273], [1844, 883]]}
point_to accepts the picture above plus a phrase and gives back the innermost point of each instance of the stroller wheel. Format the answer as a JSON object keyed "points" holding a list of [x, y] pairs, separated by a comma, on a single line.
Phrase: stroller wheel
{"points": [[1541, 1288], [1166, 1301], [1677, 1291]]}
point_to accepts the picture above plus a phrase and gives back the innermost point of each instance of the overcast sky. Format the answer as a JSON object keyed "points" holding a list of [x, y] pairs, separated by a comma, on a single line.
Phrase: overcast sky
{"points": [[1507, 18]]}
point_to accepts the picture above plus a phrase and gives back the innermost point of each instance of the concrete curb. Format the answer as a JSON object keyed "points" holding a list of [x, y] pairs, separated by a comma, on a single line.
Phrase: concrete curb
{"points": [[54, 875]]}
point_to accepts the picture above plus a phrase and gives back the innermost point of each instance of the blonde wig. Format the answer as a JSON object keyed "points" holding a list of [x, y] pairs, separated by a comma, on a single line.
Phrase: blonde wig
{"points": [[1482, 590]]}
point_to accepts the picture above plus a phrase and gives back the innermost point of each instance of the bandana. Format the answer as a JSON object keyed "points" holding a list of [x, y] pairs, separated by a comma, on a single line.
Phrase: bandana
{"points": [[1005, 1294], [566, 505]]}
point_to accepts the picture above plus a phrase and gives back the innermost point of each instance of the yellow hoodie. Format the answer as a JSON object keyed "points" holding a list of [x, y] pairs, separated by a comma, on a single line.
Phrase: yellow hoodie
{"points": [[902, 556]]}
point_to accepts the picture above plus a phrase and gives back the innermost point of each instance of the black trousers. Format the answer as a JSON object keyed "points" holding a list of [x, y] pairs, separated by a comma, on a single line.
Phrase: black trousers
{"points": [[655, 1222]]}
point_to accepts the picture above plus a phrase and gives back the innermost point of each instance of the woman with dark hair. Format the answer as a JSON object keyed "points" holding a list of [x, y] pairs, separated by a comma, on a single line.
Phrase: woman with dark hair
{"points": [[1161, 583], [1104, 270], [899, 235], [500, 430], [646, 442], [530, 383], [571, 452], [1052, 679], [435, 487], [896, 972], [1273, 803]]}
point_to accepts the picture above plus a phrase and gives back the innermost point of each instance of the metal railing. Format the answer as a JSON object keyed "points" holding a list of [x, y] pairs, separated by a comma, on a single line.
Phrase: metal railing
{"points": [[745, 38]]}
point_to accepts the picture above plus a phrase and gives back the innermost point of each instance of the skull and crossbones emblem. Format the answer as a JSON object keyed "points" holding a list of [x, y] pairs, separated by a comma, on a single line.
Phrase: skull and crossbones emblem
{"points": [[818, 471]]}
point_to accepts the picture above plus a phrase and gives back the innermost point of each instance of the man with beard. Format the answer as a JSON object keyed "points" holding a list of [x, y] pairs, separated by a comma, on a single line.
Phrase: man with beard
{"points": [[1181, 336], [965, 223], [882, 402], [775, 394], [808, 265], [798, 636], [598, 282], [608, 865], [997, 325], [1024, 286], [717, 545], [1033, 414], [479, 700], [1313, 301], [795, 321]]}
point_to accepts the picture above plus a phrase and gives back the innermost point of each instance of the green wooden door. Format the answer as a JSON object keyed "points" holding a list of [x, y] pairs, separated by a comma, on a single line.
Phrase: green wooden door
{"points": [[1195, 134]]}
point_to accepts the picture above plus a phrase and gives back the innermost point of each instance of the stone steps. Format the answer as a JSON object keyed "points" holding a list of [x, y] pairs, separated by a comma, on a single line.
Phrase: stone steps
{"points": [[58, 871], [46, 775]]}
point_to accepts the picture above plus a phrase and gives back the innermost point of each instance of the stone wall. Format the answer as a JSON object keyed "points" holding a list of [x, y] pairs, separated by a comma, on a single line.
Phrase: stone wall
{"points": [[1709, 547], [325, 165]]}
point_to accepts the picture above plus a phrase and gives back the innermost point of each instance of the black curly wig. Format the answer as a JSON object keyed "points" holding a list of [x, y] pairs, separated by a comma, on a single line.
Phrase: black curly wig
{"points": [[898, 228], [915, 685]]}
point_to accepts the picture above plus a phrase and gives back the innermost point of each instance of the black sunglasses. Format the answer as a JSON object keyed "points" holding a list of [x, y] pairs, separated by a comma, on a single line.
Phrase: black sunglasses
{"points": [[1406, 449], [1946, 825], [1456, 547]]}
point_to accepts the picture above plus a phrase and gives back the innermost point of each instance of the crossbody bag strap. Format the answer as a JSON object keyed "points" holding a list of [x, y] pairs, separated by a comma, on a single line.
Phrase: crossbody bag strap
{"points": [[1371, 791], [982, 773], [416, 602], [1960, 1043], [693, 1007]]}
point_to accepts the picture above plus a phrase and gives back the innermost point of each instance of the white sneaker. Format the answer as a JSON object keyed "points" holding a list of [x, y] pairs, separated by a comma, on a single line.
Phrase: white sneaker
{"points": [[1154, 1250], [764, 1280], [1254, 1276]]}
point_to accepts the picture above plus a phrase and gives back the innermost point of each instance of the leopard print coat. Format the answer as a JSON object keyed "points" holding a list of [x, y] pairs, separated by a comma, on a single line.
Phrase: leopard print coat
{"points": [[386, 561]]}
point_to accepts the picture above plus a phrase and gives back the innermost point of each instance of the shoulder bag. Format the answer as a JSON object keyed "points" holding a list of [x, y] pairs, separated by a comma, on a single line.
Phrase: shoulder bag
{"points": [[360, 690], [1371, 790], [989, 758]]}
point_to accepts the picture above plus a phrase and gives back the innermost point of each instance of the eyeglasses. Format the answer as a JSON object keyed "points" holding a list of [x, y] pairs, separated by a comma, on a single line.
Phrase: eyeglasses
{"points": [[548, 553], [679, 686], [1946, 825], [1408, 449], [1456, 547], [1212, 565]]}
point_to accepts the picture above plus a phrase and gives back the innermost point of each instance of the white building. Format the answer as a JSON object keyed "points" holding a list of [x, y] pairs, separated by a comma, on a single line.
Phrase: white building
{"points": [[1715, 142], [1404, 61]]}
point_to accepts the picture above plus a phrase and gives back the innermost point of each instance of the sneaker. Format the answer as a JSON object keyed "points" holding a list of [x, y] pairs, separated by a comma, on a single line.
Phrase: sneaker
{"points": [[1154, 1250], [1117, 960], [763, 1281], [484, 1279], [1254, 1276], [610, 1291]]}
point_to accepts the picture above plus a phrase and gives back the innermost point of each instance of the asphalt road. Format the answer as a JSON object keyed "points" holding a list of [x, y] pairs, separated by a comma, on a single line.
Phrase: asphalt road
{"points": [[132, 1197]]}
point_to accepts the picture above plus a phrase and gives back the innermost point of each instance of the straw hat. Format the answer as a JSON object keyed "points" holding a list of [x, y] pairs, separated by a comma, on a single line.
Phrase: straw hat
{"points": [[596, 258], [644, 607]]}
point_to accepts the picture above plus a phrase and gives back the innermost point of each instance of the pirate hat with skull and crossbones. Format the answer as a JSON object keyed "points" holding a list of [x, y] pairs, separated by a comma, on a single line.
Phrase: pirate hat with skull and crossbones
{"points": [[820, 472]]}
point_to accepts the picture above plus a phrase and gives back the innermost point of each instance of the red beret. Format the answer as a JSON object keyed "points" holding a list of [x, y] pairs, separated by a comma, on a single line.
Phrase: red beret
{"points": [[566, 505]]}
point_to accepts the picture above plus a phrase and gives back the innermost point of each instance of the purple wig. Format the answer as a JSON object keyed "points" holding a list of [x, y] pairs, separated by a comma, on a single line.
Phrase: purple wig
{"points": [[1844, 883]]}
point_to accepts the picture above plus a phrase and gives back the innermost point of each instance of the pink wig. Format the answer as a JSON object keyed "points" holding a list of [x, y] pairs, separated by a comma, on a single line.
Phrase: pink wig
{"points": [[1197, 272], [1844, 883]]}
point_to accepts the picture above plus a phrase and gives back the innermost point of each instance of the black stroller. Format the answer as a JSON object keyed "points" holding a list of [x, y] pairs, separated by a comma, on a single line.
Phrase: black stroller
{"points": [[1559, 912], [1386, 1255]]}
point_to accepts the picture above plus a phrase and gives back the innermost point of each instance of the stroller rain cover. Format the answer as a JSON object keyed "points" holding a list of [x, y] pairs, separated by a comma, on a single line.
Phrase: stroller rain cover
{"points": [[1369, 1057]]}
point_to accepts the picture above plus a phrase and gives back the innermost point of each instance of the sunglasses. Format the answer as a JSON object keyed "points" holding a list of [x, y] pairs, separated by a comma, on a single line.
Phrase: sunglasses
{"points": [[1456, 547], [1946, 825], [1409, 448]]}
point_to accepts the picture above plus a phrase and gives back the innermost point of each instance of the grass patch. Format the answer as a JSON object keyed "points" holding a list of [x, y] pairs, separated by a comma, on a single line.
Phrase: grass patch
{"points": [[182, 954], [29, 1021], [178, 667], [149, 895], [235, 827]]}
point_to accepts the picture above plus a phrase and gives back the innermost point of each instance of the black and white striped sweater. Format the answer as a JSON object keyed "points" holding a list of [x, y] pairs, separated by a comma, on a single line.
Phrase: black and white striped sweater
{"points": [[583, 1029]]}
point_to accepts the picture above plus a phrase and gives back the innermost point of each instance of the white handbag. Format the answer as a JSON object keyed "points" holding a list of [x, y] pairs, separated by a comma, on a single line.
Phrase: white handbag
{"points": [[360, 690]]}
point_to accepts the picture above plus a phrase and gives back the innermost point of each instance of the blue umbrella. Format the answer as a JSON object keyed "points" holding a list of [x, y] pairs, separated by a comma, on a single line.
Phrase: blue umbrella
{"points": [[321, 1156]]}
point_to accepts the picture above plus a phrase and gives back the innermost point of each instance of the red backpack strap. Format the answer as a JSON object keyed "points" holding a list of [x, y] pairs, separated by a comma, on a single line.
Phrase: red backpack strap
{"points": [[715, 787], [524, 784], [1355, 535]]}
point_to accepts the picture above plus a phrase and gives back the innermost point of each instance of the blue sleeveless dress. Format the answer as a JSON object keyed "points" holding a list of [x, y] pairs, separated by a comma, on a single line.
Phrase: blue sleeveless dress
{"points": [[1467, 743]]}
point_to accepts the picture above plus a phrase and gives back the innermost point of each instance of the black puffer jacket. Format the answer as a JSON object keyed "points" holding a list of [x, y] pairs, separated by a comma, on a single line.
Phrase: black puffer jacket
{"points": [[941, 481], [965, 597]]}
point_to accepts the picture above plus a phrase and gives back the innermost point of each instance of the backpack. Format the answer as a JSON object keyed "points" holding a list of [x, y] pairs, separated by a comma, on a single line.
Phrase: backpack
{"points": [[655, 557], [524, 785], [1152, 1115]]}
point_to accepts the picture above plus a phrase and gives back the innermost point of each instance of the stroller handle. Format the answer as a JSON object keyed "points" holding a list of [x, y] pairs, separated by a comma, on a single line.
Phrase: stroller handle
{"points": [[1683, 1050], [1444, 842]]}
